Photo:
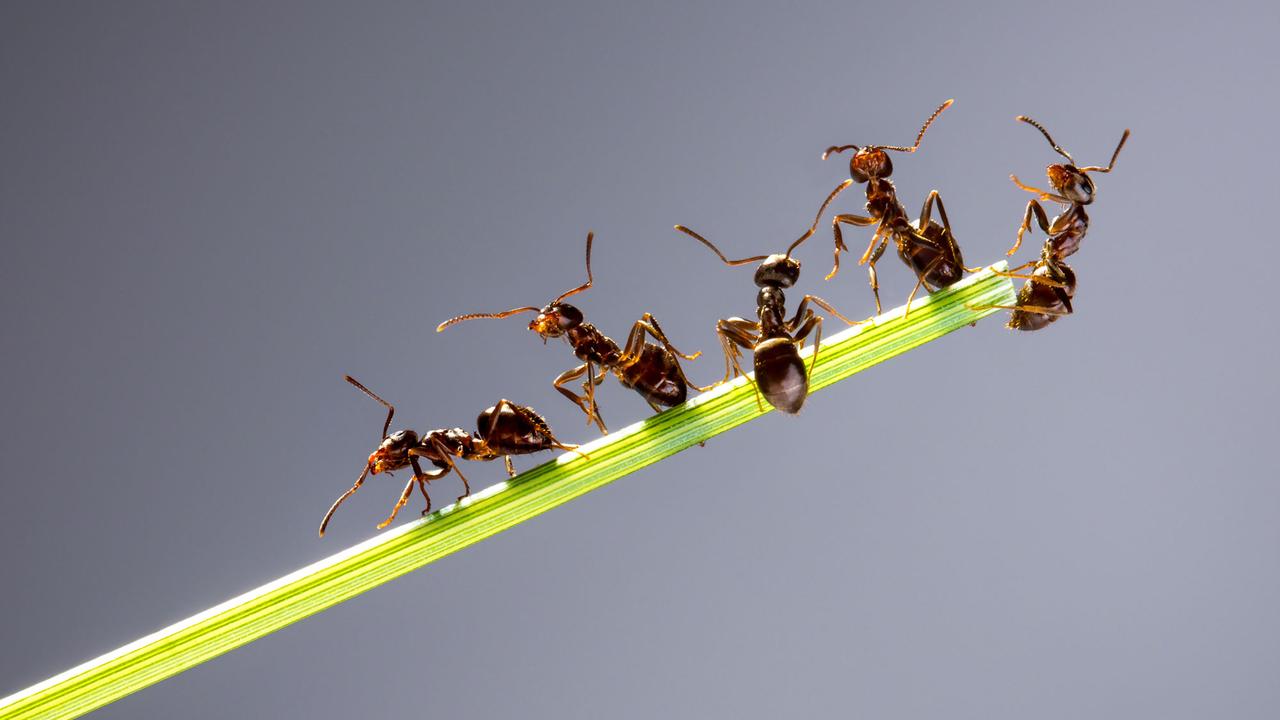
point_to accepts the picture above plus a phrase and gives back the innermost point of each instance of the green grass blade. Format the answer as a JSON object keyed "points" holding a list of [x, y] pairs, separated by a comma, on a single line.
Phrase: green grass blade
{"points": [[410, 546]]}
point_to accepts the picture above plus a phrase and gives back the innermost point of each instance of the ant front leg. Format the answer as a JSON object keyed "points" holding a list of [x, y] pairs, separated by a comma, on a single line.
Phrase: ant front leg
{"points": [[1042, 219], [847, 219], [586, 404], [635, 343], [1044, 194]]}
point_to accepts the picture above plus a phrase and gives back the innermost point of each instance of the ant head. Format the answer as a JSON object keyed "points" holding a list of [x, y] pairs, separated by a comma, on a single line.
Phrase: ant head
{"points": [[868, 163], [555, 320], [393, 452], [778, 271], [1071, 183]]}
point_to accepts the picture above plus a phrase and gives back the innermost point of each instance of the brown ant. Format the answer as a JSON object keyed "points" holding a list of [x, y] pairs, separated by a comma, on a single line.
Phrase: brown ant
{"points": [[775, 341], [1045, 296], [652, 370], [505, 429], [1072, 187], [929, 249]]}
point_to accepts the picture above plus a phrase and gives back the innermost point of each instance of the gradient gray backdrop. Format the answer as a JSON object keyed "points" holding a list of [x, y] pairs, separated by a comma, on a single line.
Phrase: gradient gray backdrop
{"points": [[209, 214]]}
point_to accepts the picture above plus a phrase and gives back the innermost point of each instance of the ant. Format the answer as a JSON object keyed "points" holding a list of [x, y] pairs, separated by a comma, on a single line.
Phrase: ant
{"points": [[774, 340], [1072, 187], [1045, 296], [929, 249], [505, 429], [652, 370]]}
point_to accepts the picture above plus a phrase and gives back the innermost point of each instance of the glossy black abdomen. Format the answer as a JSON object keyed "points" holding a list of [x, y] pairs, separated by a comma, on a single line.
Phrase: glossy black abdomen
{"points": [[655, 375], [781, 374]]}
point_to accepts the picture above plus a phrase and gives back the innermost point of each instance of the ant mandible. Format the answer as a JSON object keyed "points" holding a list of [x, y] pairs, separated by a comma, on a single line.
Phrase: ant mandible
{"points": [[505, 429], [774, 340], [1072, 187], [651, 370], [928, 248]]}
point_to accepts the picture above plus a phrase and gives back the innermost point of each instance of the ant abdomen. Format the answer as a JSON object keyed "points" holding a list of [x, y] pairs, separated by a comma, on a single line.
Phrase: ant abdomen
{"points": [[656, 377], [781, 375]]}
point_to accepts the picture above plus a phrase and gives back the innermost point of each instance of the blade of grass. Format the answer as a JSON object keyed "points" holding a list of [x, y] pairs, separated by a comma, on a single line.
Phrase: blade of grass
{"points": [[397, 551]]}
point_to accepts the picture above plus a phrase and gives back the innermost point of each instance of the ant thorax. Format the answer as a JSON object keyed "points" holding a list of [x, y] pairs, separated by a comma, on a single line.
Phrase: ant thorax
{"points": [[771, 308]]}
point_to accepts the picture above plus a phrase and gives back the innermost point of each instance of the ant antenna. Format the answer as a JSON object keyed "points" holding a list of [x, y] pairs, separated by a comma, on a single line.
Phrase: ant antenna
{"points": [[716, 250], [814, 227], [352, 491], [920, 135], [837, 149], [590, 236], [516, 311], [391, 409], [473, 316], [1060, 151], [1114, 155]]}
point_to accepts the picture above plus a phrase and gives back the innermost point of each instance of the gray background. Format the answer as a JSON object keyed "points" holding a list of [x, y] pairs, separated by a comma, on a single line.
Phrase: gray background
{"points": [[209, 214]]}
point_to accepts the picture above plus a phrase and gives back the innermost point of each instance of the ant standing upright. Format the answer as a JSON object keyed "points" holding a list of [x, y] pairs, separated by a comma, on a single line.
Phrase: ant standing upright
{"points": [[651, 370], [774, 340], [927, 247], [505, 429], [1072, 187], [1047, 293]]}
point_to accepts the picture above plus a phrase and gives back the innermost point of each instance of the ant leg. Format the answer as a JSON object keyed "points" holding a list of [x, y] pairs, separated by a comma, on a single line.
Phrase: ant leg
{"points": [[1034, 309], [1042, 220], [813, 323], [404, 498], [881, 231], [735, 333], [583, 403], [511, 469], [589, 389], [422, 478], [1044, 194], [804, 303], [649, 324], [919, 281], [848, 219], [1013, 272], [926, 214], [871, 271], [1038, 279], [444, 453]]}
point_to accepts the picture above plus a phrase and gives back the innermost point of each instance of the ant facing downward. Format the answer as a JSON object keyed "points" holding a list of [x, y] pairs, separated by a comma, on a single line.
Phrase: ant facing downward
{"points": [[774, 340], [1072, 187], [505, 429], [652, 370], [928, 248]]}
